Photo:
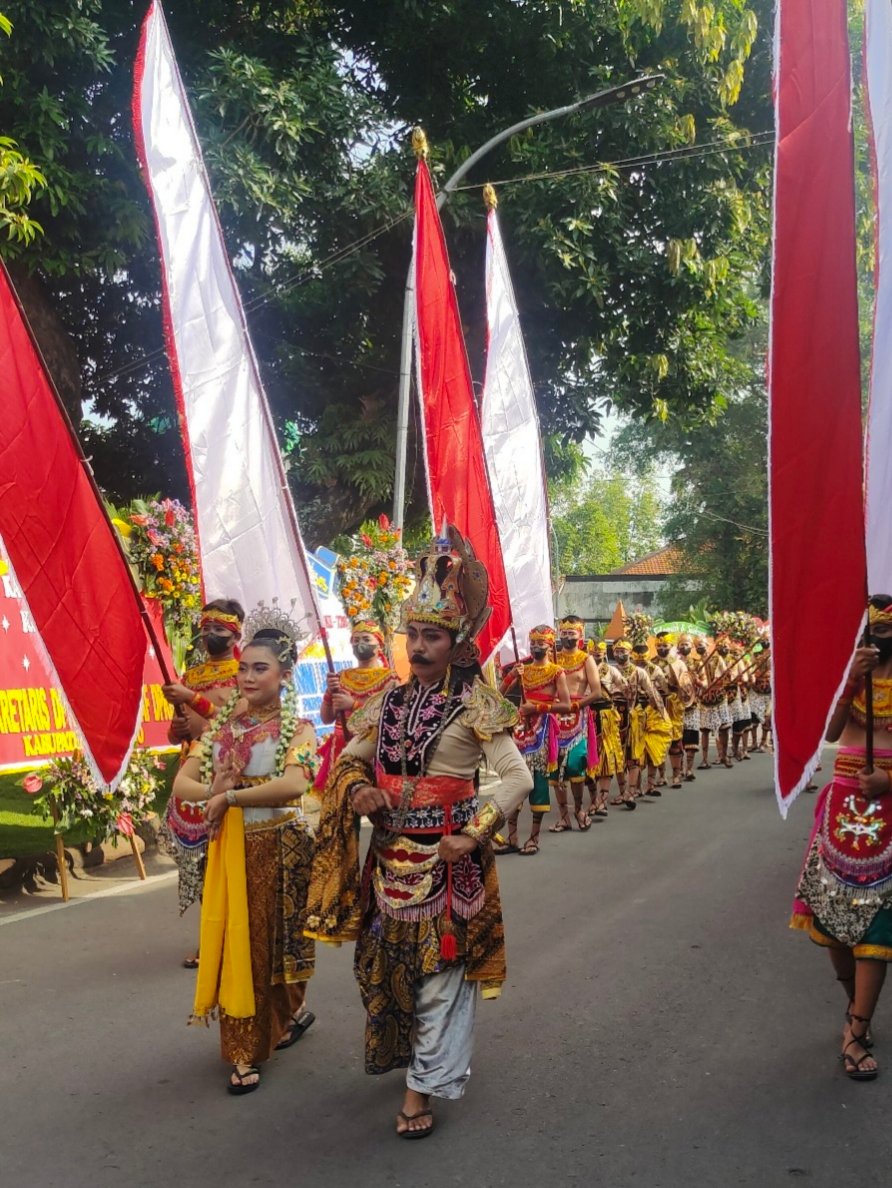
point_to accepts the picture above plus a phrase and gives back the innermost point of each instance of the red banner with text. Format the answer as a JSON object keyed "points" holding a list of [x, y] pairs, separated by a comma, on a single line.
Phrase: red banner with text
{"points": [[34, 726]]}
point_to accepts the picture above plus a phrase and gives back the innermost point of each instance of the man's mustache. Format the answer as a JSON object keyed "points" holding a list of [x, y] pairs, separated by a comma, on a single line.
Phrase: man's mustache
{"points": [[416, 659]]}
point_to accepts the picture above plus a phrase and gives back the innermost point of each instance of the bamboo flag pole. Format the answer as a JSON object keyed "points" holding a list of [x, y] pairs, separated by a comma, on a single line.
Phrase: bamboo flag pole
{"points": [[61, 860]]}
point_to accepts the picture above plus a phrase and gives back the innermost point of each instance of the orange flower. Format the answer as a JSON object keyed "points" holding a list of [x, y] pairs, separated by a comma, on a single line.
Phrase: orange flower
{"points": [[157, 561]]}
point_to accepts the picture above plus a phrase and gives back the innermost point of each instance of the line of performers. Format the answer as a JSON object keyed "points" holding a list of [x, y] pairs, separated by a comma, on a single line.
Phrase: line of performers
{"points": [[420, 901], [588, 718]]}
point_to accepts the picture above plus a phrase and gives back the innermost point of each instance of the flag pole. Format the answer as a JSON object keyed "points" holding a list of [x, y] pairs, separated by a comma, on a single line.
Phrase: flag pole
{"points": [[91, 478], [868, 700]]}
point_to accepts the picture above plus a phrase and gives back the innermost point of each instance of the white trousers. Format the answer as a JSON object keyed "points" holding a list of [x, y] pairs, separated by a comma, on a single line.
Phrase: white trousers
{"points": [[445, 1006]]}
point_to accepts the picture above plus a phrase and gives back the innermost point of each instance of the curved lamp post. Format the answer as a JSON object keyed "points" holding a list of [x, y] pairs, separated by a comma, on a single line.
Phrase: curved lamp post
{"points": [[618, 94]]}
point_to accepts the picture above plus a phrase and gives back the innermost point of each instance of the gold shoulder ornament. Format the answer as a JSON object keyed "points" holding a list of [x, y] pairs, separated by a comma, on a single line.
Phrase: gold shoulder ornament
{"points": [[487, 712]]}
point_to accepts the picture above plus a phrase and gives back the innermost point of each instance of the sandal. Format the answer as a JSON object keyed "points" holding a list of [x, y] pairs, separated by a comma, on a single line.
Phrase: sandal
{"points": [[617, 800], [190, 962], [240, 1086], [415, 1134], [295, 1030], [653, 792], [675, 784], [630, 804], [561, 826], [853, 1069], [867, 1039], [585, 824], [689, 777], [529, 848], [704, 766], [501, 845]]}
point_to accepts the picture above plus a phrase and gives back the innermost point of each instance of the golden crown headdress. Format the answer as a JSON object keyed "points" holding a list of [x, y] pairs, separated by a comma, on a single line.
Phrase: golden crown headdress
{"points": [[451, 591], [876, 614], [542, 634], [272, 618]]}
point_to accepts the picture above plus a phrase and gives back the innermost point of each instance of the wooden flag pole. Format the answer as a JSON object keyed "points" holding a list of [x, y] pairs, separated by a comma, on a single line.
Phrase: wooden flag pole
{"points": [[137, 857], [61, 860]]}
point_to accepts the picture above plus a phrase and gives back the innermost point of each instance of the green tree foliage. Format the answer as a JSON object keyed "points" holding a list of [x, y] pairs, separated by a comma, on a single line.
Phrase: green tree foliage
{"points": [[19, 179], [613, 517], [718, 513], [632, 278]]}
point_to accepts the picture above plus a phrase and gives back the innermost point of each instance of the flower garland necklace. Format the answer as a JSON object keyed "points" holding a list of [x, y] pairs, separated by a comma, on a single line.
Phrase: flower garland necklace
{"points": [[289, 718]]}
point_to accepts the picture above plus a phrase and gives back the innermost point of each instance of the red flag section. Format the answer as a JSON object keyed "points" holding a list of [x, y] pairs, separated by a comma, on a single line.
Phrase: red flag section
{"points": [[64, 558], [818, 565], [456, 468]]}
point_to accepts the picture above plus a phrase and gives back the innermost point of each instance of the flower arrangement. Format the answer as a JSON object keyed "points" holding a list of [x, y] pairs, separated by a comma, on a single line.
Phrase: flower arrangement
{"points": [[739, 625], [69, 795], [375, 576], [638, 627], [160, 541]]}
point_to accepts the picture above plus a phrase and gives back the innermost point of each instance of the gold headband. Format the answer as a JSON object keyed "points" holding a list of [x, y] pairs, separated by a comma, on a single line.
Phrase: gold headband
{"points": [[875, 615]]}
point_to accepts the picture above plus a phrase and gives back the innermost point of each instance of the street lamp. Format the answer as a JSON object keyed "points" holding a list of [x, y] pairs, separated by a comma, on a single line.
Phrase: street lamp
{"points": [[617, 94]]}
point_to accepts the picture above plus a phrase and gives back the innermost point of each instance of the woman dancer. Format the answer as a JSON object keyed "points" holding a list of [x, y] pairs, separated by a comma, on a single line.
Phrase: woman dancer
{"points": [[251, 770]]}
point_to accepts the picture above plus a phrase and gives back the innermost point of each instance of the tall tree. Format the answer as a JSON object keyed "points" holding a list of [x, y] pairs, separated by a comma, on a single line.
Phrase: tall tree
{"points": [[613, 517], [632, 277]]}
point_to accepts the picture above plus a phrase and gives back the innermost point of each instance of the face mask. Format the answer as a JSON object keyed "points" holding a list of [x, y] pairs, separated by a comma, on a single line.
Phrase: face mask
{"points": [[217, 645], [884, 646], [364, 651], [663, 652], [684, 651], [538, 653]]}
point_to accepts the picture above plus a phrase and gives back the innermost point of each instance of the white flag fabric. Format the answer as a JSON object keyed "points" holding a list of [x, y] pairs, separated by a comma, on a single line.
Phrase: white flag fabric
{"points": [[248, 533], [513, 450], [878, 33]]}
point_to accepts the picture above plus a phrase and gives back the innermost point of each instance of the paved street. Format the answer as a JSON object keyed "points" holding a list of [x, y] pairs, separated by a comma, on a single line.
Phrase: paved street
{"points": [[660, 1027]]}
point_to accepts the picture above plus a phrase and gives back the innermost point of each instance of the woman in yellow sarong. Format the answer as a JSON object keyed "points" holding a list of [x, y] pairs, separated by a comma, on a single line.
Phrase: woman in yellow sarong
{"points": [[251, 770]]}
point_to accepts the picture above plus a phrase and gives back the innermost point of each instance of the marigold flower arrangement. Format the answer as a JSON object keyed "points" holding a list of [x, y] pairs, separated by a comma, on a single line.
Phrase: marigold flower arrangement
{"points": [[375, 577], [68, 786], [160, 541]]}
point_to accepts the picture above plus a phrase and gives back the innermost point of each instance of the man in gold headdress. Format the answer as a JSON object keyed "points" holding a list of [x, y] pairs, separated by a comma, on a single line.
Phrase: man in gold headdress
{"points": [[611, 756], [205, 688], [577, 738], [425, 913], [679, 696], [350, 688], [543, 694], [691, 735], [646, 724]]}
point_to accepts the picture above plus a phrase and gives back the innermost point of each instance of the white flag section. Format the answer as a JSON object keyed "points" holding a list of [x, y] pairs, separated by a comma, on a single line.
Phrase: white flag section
{"points": [[878, 33], [514, 450], [248, 532]]}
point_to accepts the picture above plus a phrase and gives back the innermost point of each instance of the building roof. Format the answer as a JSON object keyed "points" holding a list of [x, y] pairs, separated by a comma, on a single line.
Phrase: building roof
{"points": [[662, 563]]}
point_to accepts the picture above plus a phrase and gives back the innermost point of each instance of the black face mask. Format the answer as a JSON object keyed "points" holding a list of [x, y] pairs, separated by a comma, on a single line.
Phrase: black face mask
{"points": [[538, 653], [683, 651], [883, 645], [364, 651], [217, 645]]}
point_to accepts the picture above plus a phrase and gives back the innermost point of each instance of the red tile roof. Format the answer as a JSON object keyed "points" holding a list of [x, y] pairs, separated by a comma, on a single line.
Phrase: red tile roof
{"points": [[663, 562]]}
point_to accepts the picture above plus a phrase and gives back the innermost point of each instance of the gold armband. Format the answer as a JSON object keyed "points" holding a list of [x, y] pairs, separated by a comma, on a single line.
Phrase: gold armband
{"points": [[485, 822]]}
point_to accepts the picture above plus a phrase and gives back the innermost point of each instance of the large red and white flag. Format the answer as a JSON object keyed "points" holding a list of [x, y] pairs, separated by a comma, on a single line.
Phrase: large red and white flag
{"points": [[878, 61], [818, 565], [248, 534], [64, 559], [458, 485], [513, 448]]}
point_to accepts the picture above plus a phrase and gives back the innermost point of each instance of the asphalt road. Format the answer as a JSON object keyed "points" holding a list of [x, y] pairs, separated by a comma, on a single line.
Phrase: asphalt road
{"points": [[660, 1027]]}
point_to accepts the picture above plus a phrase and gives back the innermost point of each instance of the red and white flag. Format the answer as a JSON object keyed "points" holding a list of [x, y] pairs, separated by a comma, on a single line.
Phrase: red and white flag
{"points": [[818, 564], [65, 560], [248, 533], [878, 62], [458, 486], [513, 447]]}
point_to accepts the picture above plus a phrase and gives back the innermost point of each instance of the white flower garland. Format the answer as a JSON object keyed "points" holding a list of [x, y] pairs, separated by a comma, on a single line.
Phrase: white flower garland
{"points": [[289, 718]]}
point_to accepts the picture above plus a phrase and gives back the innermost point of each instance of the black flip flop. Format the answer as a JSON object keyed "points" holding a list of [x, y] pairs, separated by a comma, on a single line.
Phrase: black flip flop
{"points": [[416, 1134], [190, 963], [241, 1088], [296, 1029]]}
